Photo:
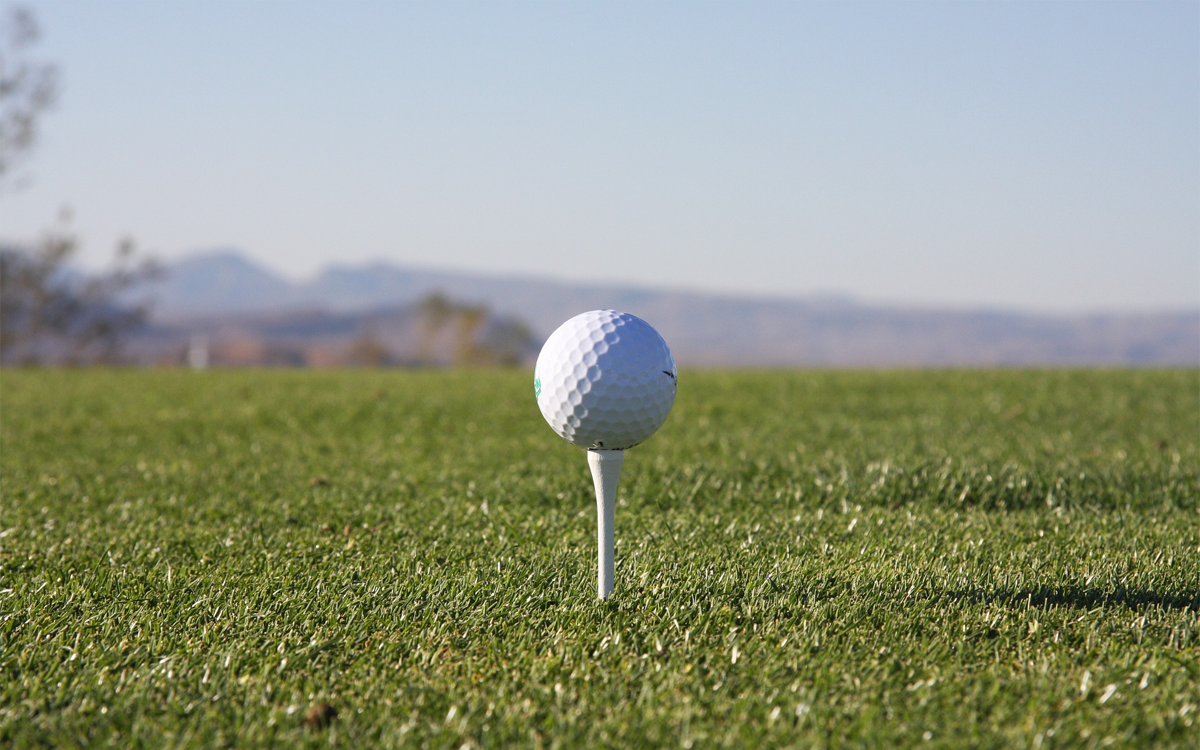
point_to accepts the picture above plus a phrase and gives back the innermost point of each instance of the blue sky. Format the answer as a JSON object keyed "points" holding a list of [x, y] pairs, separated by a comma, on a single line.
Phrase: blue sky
{"points": [[1033, 155]]}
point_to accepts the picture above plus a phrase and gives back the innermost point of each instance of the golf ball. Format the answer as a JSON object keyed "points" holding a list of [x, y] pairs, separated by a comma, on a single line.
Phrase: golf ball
{"points": [[605, 380]]}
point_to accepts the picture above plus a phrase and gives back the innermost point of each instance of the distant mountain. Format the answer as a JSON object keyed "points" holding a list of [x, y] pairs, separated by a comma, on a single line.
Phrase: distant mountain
{"points": [[220, 281], [702, 328]]}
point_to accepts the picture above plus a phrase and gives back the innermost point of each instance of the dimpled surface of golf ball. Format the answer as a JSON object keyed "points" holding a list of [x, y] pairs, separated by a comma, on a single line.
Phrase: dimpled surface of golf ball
{"points": [[605, 379]]}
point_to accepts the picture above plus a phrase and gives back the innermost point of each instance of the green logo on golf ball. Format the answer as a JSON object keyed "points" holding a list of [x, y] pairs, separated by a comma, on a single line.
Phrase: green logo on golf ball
{"points": [[537, 387]]}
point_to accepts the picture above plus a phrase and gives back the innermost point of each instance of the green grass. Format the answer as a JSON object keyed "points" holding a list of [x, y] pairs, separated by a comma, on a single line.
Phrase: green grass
{"points": [[925, 558]]}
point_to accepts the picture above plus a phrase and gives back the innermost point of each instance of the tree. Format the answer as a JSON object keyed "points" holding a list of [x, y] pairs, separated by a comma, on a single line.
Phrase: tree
{"points": [[27, 88], [478, 338], [48, 313]]}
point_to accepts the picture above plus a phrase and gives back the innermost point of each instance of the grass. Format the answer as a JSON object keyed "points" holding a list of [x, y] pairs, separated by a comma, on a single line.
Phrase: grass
{"points": [[929, 558]]}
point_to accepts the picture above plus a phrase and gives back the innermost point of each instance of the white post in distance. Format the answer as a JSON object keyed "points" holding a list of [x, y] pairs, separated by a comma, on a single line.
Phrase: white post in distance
{"points": [[606, 472]]}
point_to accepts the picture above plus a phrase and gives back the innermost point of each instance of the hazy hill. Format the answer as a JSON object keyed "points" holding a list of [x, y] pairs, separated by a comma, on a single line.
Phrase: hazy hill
{"points": [[221, 281], [701, 328]]}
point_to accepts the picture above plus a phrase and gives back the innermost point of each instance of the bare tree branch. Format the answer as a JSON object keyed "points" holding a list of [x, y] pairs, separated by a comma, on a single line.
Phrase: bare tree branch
{"points": [[48, 311], [27, 88]]}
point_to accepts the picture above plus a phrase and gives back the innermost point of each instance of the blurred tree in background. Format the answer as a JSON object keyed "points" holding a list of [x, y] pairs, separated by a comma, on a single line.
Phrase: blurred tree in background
{"points": [[477, 338], [49, 312], [27, 88]]}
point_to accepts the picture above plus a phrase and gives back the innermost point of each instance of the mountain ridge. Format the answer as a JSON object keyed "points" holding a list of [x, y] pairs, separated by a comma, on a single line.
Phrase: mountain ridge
{"points": [[703, 328]]}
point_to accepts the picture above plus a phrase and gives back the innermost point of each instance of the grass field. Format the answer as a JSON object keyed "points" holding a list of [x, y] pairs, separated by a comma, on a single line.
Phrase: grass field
{"points": [[942, 559]]}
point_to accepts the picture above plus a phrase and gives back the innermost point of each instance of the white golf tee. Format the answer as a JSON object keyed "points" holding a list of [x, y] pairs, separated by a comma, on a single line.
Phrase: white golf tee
{"points": [[606, 472]]}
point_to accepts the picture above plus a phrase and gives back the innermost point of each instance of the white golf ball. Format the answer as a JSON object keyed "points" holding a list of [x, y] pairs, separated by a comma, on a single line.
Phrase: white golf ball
{"points": [[605, 380]]}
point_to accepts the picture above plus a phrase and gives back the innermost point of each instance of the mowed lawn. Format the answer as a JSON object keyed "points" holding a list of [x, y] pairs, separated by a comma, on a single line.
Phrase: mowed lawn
{"points": [[981, 558]]}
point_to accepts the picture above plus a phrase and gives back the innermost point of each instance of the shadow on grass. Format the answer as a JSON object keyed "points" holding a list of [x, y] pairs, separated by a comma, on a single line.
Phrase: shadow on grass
{"points": [[1083, 597]]}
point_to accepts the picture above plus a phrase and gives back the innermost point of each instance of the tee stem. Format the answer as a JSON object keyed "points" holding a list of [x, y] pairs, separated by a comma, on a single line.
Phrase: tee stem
{"points": [[606, 472]]}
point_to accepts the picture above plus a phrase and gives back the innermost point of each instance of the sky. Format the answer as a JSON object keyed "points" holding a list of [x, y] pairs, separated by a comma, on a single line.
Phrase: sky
{"points": [[1023, 155]]}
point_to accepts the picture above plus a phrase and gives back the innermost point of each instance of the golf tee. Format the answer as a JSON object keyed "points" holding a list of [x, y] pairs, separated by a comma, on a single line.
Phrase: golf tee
{"points": [[606, 472]]}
